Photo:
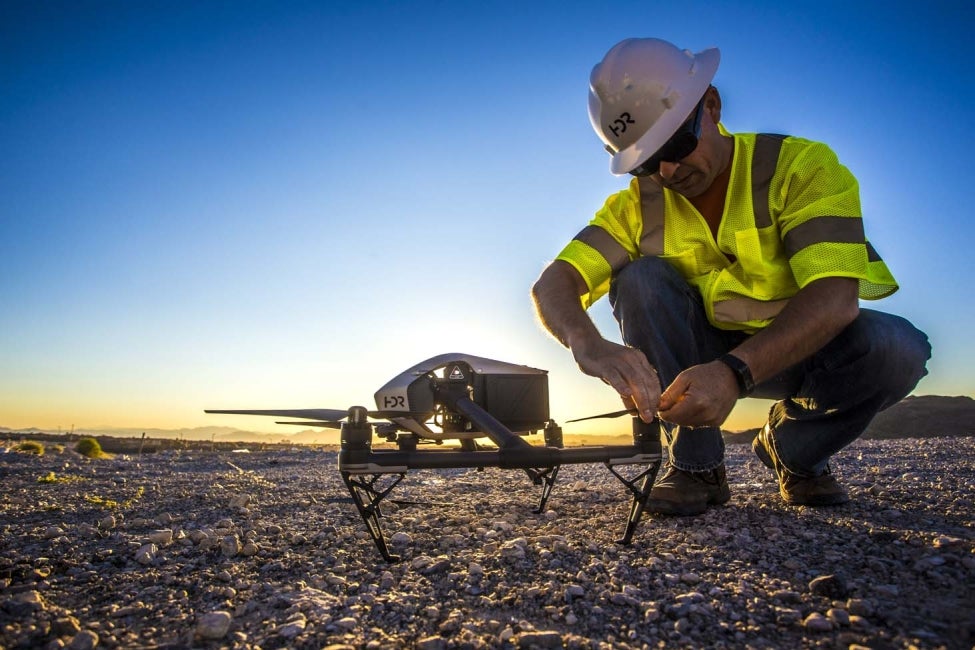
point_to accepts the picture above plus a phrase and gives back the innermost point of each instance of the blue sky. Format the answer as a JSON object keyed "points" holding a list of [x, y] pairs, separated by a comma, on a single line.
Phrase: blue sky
{"points": [[283, 204]]}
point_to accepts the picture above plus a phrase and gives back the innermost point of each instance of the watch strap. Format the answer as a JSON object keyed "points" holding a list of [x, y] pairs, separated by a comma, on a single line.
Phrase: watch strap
{"points": [[743, 374]]}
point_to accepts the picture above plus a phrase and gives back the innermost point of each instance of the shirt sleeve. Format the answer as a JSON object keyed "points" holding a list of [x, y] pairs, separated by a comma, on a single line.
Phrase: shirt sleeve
{"points": [[820, 221], [607, 244]]}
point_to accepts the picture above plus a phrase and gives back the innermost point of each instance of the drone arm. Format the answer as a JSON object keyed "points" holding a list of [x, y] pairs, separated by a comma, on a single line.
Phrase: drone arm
{"points": [[499, 434]]}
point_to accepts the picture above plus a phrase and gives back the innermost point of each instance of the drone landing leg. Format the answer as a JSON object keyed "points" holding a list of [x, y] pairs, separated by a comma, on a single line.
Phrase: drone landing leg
{"points": [[367, 498], [546, 478], [640, 496]]}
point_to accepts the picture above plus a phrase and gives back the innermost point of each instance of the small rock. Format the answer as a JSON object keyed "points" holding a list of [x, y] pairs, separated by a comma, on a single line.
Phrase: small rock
{"points": [[831, 586], [816, 622], [690, 578], [66, 626], [540, 639], [572, 592], [83, 640], [213, 625], [432, 643], [162, 537], [347, 623], [146, 554], [786, 595], [943, 541], [839, 617], [25, 603], [249, 549], [890, 591], [400, 539], [52, 532], [293, 628], [859, 607], [230, 546]]}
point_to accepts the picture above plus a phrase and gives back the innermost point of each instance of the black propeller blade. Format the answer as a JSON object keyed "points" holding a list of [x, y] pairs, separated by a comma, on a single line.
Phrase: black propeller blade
{"points": [[614, 414]]}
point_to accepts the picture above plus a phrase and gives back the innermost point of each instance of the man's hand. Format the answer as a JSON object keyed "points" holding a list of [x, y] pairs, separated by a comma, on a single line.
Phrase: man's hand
{"points": [[701, 396], [626, 370]]}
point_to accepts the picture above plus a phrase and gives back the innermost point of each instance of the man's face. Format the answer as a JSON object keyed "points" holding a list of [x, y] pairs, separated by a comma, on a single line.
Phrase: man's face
{"points": [[695, 173]]}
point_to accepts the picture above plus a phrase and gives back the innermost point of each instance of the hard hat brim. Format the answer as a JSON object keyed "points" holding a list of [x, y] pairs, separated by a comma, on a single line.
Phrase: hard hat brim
{"points": [[628, 159]]}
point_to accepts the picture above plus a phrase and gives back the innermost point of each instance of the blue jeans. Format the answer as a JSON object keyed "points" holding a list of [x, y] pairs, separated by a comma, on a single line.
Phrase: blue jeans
{"points": [[825, 402]]}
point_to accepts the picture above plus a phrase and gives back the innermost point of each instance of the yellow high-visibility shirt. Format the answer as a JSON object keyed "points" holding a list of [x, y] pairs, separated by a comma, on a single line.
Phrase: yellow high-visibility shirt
{"points": [[791, 216]]}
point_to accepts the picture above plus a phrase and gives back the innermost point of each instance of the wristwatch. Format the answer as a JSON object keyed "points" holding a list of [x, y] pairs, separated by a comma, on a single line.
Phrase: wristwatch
{"points": [[742, 373]]}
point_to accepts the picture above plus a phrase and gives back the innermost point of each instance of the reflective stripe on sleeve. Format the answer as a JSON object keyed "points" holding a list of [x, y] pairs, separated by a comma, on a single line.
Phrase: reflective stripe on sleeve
{"points": [[873, 255], [604, 244], [828, 230]]}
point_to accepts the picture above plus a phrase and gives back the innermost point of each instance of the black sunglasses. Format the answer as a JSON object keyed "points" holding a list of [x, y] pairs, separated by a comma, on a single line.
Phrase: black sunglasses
{"points": [[679, 146]]}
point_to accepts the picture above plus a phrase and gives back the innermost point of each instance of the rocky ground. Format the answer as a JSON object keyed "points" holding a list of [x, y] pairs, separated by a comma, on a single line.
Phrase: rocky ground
{"points": [[207, 549]]}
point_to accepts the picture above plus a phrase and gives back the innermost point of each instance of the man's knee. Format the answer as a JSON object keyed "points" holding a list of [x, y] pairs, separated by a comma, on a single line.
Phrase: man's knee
{"points": [[646, 278], [888, 350]]}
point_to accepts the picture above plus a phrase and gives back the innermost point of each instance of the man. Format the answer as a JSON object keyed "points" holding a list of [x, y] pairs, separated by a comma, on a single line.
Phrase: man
{"points": [[734, 265]]}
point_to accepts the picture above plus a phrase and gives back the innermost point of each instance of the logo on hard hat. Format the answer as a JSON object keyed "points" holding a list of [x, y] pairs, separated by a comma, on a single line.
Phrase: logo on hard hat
{"points": [[618, 126]]}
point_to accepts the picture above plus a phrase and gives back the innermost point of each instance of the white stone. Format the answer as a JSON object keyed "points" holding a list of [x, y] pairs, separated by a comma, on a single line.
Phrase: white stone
{"points": [[146, 554], [162, 537], [213, 625]]}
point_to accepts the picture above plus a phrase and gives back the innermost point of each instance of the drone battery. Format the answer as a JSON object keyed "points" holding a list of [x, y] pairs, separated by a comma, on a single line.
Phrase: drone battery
{"points": [[519, 401]]}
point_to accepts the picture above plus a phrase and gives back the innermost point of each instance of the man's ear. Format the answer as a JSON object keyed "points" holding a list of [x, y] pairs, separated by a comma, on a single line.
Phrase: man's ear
{"points": [[712, 103]]}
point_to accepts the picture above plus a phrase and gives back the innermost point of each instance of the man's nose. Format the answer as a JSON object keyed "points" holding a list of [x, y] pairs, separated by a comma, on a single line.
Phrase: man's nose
{"points": [[667, 169]]}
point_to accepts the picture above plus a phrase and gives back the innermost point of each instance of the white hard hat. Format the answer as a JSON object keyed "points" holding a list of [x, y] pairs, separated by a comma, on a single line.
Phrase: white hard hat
{"points": [[641, 93]]}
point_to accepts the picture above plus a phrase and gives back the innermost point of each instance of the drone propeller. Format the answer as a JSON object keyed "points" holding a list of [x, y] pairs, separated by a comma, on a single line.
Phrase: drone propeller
{"points": [[311, 414], [331, 424], [322, 417], [614, 414]]}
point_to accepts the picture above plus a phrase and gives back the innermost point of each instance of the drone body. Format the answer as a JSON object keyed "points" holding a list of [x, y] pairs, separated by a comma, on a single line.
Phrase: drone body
{"points": [[466, 398]]}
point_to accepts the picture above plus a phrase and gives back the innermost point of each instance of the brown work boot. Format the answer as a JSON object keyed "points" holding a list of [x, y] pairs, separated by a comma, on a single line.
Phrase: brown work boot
{"points": [[688, 493], [822, 490]]}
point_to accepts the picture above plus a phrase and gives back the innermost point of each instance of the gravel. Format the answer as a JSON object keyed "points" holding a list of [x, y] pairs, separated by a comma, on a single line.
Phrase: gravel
{"points": [[266, 550]]}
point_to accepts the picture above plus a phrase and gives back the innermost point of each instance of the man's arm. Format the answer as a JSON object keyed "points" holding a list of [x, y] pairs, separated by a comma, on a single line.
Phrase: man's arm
{"points": [[556, 296], [704, 395]]}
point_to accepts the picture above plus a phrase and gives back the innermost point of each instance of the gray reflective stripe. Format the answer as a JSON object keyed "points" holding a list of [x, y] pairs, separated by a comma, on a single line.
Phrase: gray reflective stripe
{"points": [[605, 245], [832, 230], [652, 213], [744, 310], [872, 254], [764, 162]]}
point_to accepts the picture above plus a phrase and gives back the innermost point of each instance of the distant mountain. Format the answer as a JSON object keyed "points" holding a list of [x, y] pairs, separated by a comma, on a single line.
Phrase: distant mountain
{"points": [[913, 417], [924, 416]]}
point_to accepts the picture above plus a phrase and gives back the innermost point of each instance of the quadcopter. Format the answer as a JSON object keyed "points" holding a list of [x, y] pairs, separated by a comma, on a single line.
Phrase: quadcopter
{"points": [[464, 398]]}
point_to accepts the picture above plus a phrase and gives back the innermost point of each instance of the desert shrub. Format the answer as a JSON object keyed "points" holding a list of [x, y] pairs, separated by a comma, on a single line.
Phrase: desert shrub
{"points": [[89, 448], [30, 447]]}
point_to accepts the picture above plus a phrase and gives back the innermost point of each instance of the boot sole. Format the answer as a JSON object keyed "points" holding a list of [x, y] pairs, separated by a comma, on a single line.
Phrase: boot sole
{"points": [[671, 508], [758, 446], [827, 500]]}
